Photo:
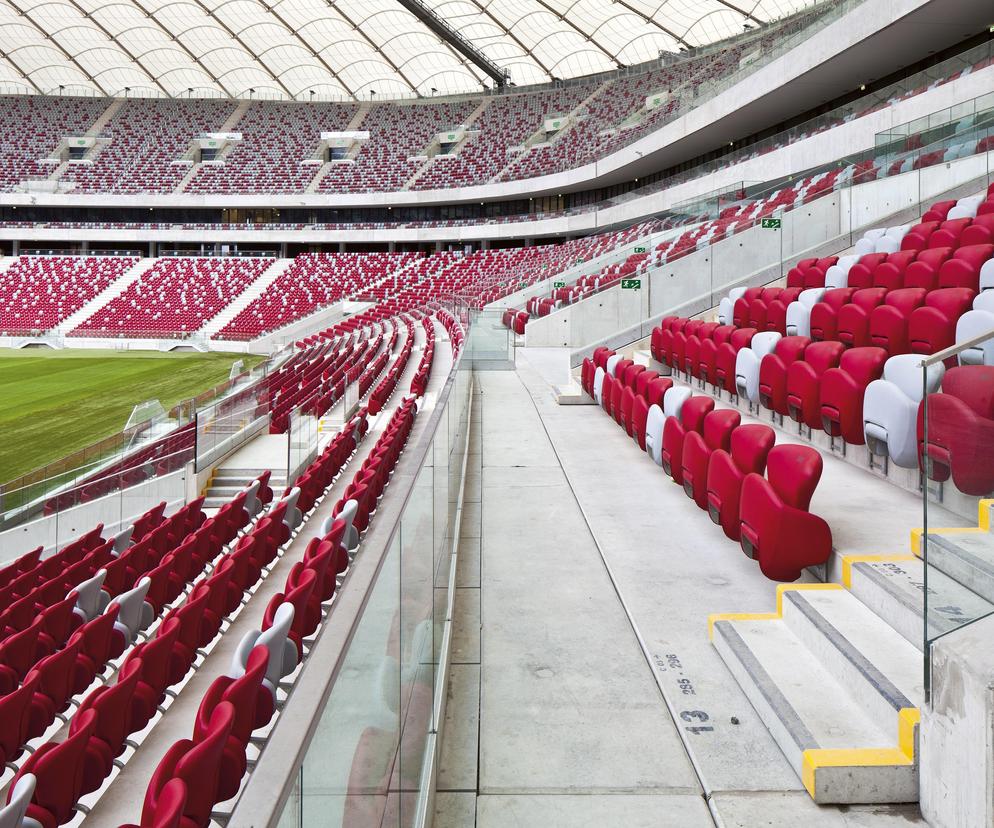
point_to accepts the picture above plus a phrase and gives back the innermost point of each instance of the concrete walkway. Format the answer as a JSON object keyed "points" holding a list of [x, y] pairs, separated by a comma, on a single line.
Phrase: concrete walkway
{"points": [[598, 699]]}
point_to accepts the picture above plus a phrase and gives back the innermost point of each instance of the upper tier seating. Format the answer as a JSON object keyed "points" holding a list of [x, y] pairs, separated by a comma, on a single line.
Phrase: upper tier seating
{"points": [[397, 132], [276, 139], [39, 292], [145, 138], [177, 296], [31, 127]]}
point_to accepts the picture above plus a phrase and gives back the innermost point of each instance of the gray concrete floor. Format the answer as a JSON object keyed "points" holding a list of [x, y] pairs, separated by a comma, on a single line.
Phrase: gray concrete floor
{"points": [[584, 690]]}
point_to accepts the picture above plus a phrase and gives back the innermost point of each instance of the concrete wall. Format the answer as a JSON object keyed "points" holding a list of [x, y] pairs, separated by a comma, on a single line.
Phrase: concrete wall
{"points": [[700, 279], [957, 733]]}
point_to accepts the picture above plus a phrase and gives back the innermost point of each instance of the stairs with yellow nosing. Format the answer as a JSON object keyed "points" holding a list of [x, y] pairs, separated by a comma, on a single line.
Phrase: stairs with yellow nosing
{"points": [[960, 579], [837, 687]]}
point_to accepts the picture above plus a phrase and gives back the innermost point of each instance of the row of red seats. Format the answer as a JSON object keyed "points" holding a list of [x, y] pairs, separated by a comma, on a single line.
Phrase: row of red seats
{"points": [[197, 774], [720, 463], [384, 390], [420, 381], [110, 713]]}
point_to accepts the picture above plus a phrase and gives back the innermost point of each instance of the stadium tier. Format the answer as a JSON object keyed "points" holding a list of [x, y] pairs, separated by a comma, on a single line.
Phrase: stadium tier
{"points": [[310, 318]]}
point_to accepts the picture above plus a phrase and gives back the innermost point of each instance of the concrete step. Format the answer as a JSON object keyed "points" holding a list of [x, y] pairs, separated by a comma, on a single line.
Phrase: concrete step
{"points": [[966, 557], [893, 586], [815, 673]]}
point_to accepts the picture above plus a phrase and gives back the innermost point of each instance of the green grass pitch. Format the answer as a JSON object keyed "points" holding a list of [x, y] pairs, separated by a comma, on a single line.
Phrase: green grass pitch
{"points": [[55, 402]]}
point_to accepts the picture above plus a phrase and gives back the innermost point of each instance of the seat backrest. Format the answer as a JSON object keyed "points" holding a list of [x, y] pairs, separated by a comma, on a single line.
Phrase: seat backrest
{"points": [[12, 814], [718, 428], [764, 343], [823, 355], [676, 397], [794, 472], [791, 348], [974, 385], [904, 371], [863, 364], [741, 338], [169, 806], [749, 447], [694, 411], [200, 767]]}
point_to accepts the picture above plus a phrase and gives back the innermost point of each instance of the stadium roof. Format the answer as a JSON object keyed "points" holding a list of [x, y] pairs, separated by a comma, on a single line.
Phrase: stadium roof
{"points": [[333, 49]]}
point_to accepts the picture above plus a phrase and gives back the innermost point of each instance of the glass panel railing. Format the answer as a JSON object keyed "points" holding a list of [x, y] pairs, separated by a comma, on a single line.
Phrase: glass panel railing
{"points": [[956, 458], [368, 740]]}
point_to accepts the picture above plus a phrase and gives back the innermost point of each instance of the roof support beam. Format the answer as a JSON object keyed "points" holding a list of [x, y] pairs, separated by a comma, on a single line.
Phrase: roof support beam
{"points": [[440, 28]]}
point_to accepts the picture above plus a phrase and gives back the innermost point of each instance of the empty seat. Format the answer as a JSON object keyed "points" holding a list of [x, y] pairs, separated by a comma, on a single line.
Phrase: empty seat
{"points": [[747, 362], [976, 323], [890, 408], [698, 449], [676, 428], [804, 381], [773, 372], [842, 391], [959, 443], [749, 446], [777, 530]]}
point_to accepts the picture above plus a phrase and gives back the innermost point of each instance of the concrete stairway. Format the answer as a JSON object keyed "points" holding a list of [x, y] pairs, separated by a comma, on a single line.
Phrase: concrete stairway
{"points": [[105, 116], [837, 687], [236, 116], [112, 291], [226, 483], [246, 297]]}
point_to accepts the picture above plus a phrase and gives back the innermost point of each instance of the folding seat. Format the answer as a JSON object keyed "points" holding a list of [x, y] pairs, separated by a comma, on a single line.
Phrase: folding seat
{"points": [[776, 310], [21, 793], [796, 275], [587, 376], [932, 327], [918, 236], [18, 716], [624, 411], [672, 405], [772, 387], [960, 439], [198, 765], [740, 311], [747, 363], [244, 691], [798, 319], [90, 598], [58, 679], [298, 597], [698, 449], [708, 356], [154, 675], [980, 231], [58, 771], [804, 381], [823, 322], [890, 408], [98, 644], [676, 428], [115, 721], [923, 272], [853, 318], [974, 323], [189, 639], [642, 382], [949, 232], [776, 528], [639, 420], [18, 654], [726, 356], [658, 343], [938, 211], [656, 390], [727, 468], [837, 276], [963, 268], [283, 654], [842, 391]]}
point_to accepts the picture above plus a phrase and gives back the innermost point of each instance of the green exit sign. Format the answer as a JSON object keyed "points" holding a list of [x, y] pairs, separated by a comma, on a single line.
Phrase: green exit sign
{"points": [[640, 250], [452, 136], [772, 223], [559, 284], [631, 284]]}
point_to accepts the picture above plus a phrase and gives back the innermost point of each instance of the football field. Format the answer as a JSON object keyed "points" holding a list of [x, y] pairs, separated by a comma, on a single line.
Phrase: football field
{"points": [[55, 402]]}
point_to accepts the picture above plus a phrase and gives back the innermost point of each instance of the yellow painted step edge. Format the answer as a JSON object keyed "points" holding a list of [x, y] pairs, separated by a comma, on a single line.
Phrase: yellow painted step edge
{"points": [[983, 525], [763, 616], [903, 755], [849, 560]]}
